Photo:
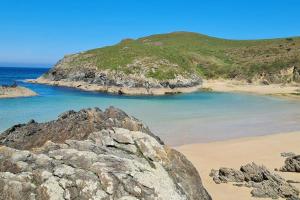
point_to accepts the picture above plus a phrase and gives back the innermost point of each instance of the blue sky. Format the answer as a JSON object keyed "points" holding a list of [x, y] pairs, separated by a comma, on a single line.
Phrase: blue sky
{"points": [[42, 31]]}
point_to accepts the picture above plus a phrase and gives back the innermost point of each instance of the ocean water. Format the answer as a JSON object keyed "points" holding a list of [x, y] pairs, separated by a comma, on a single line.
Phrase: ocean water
{"points": [[177, 119]]}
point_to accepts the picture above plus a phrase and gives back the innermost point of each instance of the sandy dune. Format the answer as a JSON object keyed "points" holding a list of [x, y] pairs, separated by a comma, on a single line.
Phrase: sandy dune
{"points": [[234, 153]]}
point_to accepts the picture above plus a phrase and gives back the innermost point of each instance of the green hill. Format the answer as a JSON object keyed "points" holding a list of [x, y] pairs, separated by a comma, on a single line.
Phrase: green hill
{"points": [[185, 52]]}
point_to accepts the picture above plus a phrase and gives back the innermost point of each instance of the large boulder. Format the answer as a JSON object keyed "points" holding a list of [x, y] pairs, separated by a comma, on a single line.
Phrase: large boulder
{"points": [[69, 125], [92, 154]]}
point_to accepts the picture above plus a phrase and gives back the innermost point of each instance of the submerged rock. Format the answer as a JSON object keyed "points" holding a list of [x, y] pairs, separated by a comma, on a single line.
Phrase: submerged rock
{"points": [[92, 154], [264, 183], [291, 164]]}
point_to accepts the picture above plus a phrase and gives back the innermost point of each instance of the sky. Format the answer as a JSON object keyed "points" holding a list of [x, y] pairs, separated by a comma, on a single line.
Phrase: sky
{"points": [[40, 32]]}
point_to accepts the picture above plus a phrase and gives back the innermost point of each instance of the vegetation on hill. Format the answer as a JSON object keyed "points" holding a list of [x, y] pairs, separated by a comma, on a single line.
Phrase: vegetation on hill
{"points": [[186, 53]]}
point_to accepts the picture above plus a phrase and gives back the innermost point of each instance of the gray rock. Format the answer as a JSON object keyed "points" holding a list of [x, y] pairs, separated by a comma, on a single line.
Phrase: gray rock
{"points": [[264, 183], [291, 164], [287, 154], [65, 70], [70, 125], [109, 163]]}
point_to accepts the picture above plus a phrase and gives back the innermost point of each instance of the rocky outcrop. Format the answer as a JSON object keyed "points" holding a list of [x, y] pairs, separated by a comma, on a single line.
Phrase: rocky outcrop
{"points": [[15, 91], [92, 154], [287, 154], [69, 125], [131, 79], [291, 164], [264, 183], [288, 75], [296, 74]]}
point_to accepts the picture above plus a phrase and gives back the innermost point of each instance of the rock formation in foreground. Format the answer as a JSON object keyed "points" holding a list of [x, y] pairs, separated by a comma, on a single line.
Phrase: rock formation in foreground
{"points": [[92, 154], [15, 91], [291, 164], [264, 183]]}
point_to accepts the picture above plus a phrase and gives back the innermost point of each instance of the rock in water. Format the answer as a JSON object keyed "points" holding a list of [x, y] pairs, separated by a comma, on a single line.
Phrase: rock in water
{"points": [[265, 184], [291, 164], [15, 91], [92, 154]]}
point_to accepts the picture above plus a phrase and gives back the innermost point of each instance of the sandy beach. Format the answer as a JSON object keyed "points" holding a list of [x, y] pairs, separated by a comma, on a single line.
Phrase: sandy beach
{"points": [[280, 90], [263, 150]]}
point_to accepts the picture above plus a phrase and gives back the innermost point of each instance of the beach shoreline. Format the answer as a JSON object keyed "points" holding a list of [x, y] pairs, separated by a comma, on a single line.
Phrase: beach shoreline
{"points": [[263, 150], [289, 91], [114, 89]]}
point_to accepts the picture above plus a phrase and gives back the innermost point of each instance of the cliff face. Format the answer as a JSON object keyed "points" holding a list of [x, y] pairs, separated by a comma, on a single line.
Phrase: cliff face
{"points": [[92, 154]]}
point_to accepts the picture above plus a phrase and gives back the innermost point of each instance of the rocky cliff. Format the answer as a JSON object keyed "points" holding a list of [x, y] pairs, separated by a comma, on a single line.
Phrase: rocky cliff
{"points": [[93, 154], [132, 78]]}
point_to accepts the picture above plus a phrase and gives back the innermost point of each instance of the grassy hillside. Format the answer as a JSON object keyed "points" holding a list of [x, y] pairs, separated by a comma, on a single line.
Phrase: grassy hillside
{"points": [[185, 53]]}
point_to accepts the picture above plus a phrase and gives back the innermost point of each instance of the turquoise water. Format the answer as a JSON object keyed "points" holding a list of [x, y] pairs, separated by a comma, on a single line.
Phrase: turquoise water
{"points": [[177, 119]]}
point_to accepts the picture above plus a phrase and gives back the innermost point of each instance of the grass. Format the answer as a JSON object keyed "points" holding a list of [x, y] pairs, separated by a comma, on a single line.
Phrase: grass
{"points": [[185, 53]]}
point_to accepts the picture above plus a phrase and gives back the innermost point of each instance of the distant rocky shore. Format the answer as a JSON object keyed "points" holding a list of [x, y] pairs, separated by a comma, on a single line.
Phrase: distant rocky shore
{"points": [[12, 91], [134, 82], [120, 90], [93, 154]]}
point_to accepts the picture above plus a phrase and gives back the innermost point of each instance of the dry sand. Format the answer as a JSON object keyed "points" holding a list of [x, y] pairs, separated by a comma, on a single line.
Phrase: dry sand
{"points": [[234, 153], [221, 85]]}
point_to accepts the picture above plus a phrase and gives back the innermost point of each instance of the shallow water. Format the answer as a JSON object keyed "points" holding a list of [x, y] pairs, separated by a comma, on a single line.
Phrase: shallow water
{"points": [[177, 119]]}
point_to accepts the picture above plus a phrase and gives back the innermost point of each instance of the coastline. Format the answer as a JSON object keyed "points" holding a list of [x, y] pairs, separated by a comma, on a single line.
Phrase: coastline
{"points": [[114, 89], [14, 92], [288, 91], [263, 150]]}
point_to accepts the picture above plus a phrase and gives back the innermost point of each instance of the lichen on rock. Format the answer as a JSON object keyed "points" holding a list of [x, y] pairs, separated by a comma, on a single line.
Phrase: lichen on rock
{"points": [[96, 155]]}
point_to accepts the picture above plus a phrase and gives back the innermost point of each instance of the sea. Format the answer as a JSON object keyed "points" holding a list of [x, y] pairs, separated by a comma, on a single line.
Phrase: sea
{"points": [[177, 119]]}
